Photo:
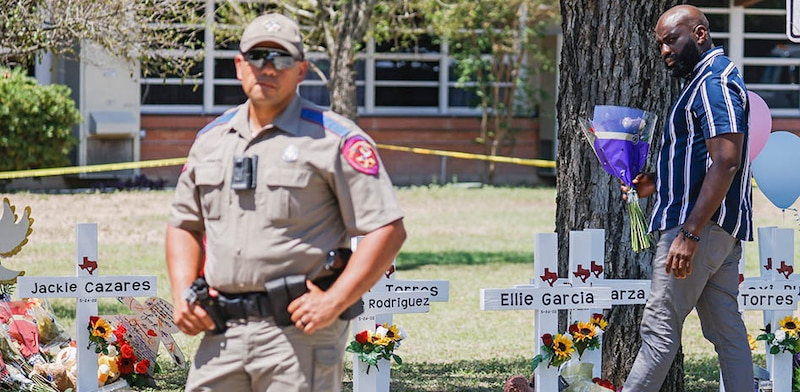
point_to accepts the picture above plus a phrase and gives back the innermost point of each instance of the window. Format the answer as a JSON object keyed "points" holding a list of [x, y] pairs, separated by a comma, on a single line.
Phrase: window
{"points": [[418, 78], [755, 38]]}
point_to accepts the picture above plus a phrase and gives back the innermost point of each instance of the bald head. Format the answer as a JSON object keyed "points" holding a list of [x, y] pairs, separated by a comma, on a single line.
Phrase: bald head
{"points": [[684, 14], [682, 34]]}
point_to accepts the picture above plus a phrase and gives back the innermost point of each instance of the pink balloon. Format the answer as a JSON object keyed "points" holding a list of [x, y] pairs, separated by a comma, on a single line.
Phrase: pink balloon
{"points": [[760, 124]]}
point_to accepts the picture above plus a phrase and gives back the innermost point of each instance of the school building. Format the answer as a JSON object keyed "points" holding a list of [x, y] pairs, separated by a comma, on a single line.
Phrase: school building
{"points": [[406, 99]]}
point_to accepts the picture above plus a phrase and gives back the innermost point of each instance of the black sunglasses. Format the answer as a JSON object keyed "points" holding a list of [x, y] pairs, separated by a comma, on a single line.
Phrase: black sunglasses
{"points": [[258, 57]]}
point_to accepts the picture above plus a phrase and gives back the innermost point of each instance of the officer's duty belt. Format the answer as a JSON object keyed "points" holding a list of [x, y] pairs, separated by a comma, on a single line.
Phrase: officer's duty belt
{"points": [[243, 306]]}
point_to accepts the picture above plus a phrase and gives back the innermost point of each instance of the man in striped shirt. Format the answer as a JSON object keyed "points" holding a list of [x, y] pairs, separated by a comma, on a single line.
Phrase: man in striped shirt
{"points": [[702, 207]]}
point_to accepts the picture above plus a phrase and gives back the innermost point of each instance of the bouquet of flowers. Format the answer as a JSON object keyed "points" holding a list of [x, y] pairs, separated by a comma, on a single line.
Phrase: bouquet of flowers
{"points": [[587, 334], [116, 355], [555, 350], [580, 337], [784, 339], [620, 138], [372, 346]]}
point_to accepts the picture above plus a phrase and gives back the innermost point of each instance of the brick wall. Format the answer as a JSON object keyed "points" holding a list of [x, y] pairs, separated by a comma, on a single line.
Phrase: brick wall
{"points": [[171, 136]]}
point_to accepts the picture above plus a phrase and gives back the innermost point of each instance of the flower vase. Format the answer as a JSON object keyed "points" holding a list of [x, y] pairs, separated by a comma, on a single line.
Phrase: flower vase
{"points": [[780, 372], [371, 378]]}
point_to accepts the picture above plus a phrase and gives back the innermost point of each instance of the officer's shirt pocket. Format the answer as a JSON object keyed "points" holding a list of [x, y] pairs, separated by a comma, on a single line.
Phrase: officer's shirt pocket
{"points": [[209, 178], [282, 196]]}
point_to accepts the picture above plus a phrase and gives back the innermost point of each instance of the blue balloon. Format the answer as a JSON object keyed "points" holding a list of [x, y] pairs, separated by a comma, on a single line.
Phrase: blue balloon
{"points": [[777, 169]]}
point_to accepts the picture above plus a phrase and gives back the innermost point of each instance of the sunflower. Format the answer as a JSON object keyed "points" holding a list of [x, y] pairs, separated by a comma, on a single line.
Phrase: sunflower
{"points": [[393, 333], [599, 321], [791, 325], [101, 328], [752, 342], [584, 331], [562, 347]]}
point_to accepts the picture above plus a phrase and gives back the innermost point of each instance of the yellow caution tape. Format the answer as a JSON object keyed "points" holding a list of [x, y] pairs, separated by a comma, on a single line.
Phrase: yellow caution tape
{"points": [[464, 155], [60, 171]]}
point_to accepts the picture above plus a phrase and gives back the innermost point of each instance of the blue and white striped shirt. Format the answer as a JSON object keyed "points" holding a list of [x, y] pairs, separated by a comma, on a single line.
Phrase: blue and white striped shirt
{"points": [[713, 102]]}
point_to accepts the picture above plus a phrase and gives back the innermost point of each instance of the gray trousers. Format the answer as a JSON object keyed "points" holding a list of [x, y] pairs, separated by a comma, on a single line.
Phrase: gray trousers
{"points": [[712, 288]]}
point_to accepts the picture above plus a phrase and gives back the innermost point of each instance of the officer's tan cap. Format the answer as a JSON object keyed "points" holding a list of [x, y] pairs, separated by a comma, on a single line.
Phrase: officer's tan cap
{"points": [[275, 28]]}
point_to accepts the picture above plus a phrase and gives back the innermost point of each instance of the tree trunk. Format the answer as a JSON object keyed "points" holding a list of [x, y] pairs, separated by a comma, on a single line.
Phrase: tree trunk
{"points": [[609, 57], [349, 28]]}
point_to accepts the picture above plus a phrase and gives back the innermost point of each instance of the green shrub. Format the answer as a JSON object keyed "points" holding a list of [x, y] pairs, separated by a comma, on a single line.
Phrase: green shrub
{"points": [[35, 123]]}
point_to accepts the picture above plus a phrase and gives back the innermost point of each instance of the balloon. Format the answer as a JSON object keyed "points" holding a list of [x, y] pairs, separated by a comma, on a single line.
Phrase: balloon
{"points": [[760, 124], [777, 169]]}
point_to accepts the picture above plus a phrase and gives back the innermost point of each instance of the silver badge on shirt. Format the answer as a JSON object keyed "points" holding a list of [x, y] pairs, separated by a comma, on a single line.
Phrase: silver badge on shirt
{"points": [[290, 153]]}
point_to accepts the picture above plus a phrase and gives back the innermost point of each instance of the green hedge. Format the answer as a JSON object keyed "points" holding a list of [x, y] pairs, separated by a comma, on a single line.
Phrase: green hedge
{"points": [[35, 123]]}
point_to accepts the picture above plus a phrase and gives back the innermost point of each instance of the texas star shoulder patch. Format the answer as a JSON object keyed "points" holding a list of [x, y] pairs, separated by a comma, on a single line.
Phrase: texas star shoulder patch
{"points": [[361, 155]]}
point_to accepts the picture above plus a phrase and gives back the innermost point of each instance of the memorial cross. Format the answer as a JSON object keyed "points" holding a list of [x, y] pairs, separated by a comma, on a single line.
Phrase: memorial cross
{"points": [[387, 297], [586, 269], [86, 287], [775, 293], [546, 298]]}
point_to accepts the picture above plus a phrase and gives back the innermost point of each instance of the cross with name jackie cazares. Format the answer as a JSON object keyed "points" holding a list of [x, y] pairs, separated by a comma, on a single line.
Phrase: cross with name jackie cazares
{"points": [[86, 287]]}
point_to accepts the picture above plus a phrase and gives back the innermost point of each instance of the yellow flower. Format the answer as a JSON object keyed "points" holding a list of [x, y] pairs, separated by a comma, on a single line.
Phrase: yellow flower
{"points": [[101, 328], [600, 322], [584, 331], [752, 342], [562, 347], [791, 325], [393, 333], [386, 334]]}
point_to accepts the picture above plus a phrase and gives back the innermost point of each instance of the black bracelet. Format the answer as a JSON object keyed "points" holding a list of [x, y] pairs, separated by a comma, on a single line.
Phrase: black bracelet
{"points": [[689, 235]]}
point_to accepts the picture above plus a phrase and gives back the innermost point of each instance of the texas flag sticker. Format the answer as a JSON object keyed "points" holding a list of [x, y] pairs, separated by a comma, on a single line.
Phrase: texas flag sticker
{"points": [[361, 155]]}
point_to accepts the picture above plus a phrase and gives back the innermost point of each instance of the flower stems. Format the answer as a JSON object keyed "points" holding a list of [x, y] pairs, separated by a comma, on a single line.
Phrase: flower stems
{"points": [[640, 238]]}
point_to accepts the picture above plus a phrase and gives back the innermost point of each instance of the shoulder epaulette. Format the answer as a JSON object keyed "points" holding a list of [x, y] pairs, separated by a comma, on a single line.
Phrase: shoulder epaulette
{"points": [[225, 117], [326, 121]]}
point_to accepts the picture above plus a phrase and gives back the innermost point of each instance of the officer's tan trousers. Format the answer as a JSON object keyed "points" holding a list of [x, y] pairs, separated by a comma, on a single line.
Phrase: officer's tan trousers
{"points": [[259, 356]]}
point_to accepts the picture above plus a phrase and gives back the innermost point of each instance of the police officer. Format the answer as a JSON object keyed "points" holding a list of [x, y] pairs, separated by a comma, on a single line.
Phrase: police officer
{"points": [[269, 190]]}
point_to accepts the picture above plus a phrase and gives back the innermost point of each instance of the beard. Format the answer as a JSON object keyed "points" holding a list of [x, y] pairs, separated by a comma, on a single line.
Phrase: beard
{"points": [[684, 61]]}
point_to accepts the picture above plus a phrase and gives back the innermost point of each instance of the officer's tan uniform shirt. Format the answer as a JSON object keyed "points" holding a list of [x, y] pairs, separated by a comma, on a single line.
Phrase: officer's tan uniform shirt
{"points": [[309, 197]]}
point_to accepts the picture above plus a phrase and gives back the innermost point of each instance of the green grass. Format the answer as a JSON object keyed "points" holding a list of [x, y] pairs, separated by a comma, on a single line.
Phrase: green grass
{"points": [[474, 238]]}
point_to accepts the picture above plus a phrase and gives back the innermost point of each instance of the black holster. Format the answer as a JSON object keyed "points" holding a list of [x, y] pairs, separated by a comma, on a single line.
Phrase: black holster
{"points": [[284, 290], [209, 304]]}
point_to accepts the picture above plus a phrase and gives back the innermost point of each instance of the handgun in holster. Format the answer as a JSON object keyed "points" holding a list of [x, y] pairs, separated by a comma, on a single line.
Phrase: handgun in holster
{"points": [[284, 290], [198, 293]]}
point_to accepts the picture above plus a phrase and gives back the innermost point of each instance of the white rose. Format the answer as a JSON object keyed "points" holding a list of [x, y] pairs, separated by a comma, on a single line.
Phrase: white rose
{"points": [[780, 335]]}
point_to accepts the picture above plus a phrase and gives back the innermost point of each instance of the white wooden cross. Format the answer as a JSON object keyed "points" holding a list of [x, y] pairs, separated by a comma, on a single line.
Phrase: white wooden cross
{"points": [[86, 287], [546, 298], [387, 297], [776, 293], [586, 269]]}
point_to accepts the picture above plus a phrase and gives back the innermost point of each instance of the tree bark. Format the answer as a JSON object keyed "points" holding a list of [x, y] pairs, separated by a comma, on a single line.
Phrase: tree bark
{"points": [[348, 29], [609, 57]]}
